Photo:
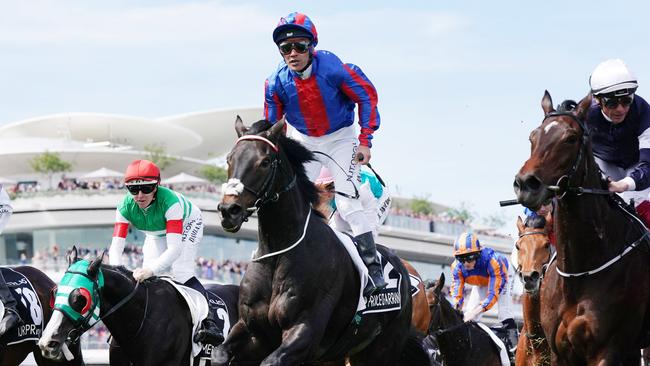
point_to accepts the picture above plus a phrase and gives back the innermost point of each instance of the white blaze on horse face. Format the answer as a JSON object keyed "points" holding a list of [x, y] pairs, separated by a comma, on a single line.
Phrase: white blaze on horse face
{"points": [[234, 187], [52, 326], [550, 125]]}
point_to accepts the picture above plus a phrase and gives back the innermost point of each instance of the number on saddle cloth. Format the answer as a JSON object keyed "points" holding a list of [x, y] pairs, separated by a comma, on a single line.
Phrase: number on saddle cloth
{"points": [[28, 306]]}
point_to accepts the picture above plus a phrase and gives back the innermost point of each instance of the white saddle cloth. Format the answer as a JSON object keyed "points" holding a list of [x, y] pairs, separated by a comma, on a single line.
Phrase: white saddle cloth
{"points": [[503, 353], [361, 267], [198, 306]]}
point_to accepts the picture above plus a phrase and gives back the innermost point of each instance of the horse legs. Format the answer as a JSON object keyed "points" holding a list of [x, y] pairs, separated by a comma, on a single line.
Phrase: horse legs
{"points": [[295, 347], [241, 345], [523, 353]]}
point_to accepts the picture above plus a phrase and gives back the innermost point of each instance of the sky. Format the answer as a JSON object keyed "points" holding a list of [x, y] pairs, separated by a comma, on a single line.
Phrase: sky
{"points": [[459, 82]]}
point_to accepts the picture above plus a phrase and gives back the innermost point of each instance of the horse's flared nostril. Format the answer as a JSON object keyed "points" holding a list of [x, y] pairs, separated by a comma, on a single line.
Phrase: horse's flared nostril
{"points": [[234, 210], [52, 344]]}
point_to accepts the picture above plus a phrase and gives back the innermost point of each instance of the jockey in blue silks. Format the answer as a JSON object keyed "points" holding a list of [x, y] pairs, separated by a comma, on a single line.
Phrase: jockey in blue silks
{"points": [[317, 93]]}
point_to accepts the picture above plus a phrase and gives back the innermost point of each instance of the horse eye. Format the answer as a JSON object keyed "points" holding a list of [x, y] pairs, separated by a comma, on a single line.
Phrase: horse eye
{"points": [[517, 246], [572, 139], [265, 163]]}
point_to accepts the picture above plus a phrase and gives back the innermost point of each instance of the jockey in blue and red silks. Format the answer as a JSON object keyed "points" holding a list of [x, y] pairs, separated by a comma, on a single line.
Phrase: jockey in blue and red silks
{"points": [[491, 275], [317, 94]]}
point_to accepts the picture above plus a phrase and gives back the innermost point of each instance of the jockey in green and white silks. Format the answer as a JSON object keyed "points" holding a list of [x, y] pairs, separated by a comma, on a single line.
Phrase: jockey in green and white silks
{"points": [[173, 229]]}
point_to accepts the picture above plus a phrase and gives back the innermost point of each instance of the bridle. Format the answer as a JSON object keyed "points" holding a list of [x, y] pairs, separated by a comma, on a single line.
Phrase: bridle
{"points": [[550, 256], [264, 194], [562, 187]]}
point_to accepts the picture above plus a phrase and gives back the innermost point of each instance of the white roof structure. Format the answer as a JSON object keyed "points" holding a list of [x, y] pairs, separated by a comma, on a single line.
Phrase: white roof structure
{"points": [[184, 178], [91, 140], [102, 173]]}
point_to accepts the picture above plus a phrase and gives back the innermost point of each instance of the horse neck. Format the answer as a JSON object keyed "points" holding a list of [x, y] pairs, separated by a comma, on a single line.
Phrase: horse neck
{"points": [[118, 286], [580, 221], [281, 223], [531, 312]]}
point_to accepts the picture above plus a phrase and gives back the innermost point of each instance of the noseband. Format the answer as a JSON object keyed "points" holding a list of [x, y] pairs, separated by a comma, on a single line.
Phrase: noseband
{"points": [[263, 195]]}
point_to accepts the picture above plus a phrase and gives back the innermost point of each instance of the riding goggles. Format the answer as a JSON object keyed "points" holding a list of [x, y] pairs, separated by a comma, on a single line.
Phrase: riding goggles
{"points": [[613, 102], [144, 188], [467, 258], [300, 47]]}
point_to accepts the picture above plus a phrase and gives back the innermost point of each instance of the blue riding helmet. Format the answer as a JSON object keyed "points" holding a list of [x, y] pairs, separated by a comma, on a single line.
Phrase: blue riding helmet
{"points": [[295, 25]]}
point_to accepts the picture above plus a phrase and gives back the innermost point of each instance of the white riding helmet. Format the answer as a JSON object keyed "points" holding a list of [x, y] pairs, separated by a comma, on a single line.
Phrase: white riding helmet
{"points": [[612, 78]]}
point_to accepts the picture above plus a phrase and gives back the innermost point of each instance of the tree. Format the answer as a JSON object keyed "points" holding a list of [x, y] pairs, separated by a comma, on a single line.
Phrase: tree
{"points": [[49, 164], [158, 155], [461, 213], [214, 174], [421, 205]]}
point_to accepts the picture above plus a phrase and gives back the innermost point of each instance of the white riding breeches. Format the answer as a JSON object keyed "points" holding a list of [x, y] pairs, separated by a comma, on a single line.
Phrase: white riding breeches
{"points": [[182, 268], [479, 293], [341, 149]]}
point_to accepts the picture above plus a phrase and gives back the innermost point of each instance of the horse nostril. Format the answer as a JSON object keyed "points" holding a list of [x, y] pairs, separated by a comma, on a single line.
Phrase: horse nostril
{"points": [[52, 344], [532, 183], [534, 276], [234, 210]]}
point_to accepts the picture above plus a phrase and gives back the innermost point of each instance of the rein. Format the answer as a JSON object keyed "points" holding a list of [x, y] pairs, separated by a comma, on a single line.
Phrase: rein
{"points": [[273, 254]]}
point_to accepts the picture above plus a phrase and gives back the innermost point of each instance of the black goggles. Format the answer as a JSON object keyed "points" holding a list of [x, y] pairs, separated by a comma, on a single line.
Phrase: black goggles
{"points": [[613, 102], [144, 188], [300, 47], [467, 258]]}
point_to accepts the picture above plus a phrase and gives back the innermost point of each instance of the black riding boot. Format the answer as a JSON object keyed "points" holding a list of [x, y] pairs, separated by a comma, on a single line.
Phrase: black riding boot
{"points": [[368, 252], [511, 330], [209, 332], [11, 317]]}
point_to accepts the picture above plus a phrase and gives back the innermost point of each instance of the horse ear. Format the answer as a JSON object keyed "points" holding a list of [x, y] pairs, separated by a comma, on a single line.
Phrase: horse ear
{"points": [[274, 132], [547, 103], [239, 127], [93, 268], [72, 255], [520, 225], [583, 107], [440, 284]]}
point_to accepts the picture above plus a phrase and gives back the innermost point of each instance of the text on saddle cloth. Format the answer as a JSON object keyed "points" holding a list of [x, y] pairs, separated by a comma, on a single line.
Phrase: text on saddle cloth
{"points": [[28, 306], [198, 306]]}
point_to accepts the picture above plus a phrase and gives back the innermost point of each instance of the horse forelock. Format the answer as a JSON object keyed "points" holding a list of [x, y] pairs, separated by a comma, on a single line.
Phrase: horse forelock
{"points": [[535, 222]]}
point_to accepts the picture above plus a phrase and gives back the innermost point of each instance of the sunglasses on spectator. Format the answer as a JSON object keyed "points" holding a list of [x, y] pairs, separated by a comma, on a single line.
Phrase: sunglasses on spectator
{"points": [[300, 47], [613, 102], [144, 188], [467, 258]]}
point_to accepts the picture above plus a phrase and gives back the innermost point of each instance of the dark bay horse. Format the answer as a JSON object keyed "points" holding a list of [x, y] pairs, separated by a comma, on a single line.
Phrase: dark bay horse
{"points": [[15, 354], [299, 296], [534, 254], [150, 321], [596, 295], [460, 343]]}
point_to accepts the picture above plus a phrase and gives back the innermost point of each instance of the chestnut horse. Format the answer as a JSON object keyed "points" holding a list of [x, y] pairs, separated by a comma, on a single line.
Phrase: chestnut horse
{"points": [[596, 295], [534, 255]]}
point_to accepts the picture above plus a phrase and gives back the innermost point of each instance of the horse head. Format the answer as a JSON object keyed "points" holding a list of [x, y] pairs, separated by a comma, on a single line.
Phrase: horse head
{"points": [[253, 165], [534, 251], [443, 314], [263, 165], [76, 305], [559, 147]]}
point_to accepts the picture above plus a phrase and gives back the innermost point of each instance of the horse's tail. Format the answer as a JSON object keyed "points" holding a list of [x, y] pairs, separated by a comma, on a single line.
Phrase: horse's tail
{"points": [[414, 352]]}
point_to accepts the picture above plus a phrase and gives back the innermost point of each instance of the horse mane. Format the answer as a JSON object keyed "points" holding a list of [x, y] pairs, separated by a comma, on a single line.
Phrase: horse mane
{"points": [[535, 222], [297, 155]]}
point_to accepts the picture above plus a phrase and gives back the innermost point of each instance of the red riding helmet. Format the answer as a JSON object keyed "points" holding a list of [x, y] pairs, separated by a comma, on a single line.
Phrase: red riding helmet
{"points": [[295, 25], [142, 172]]}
